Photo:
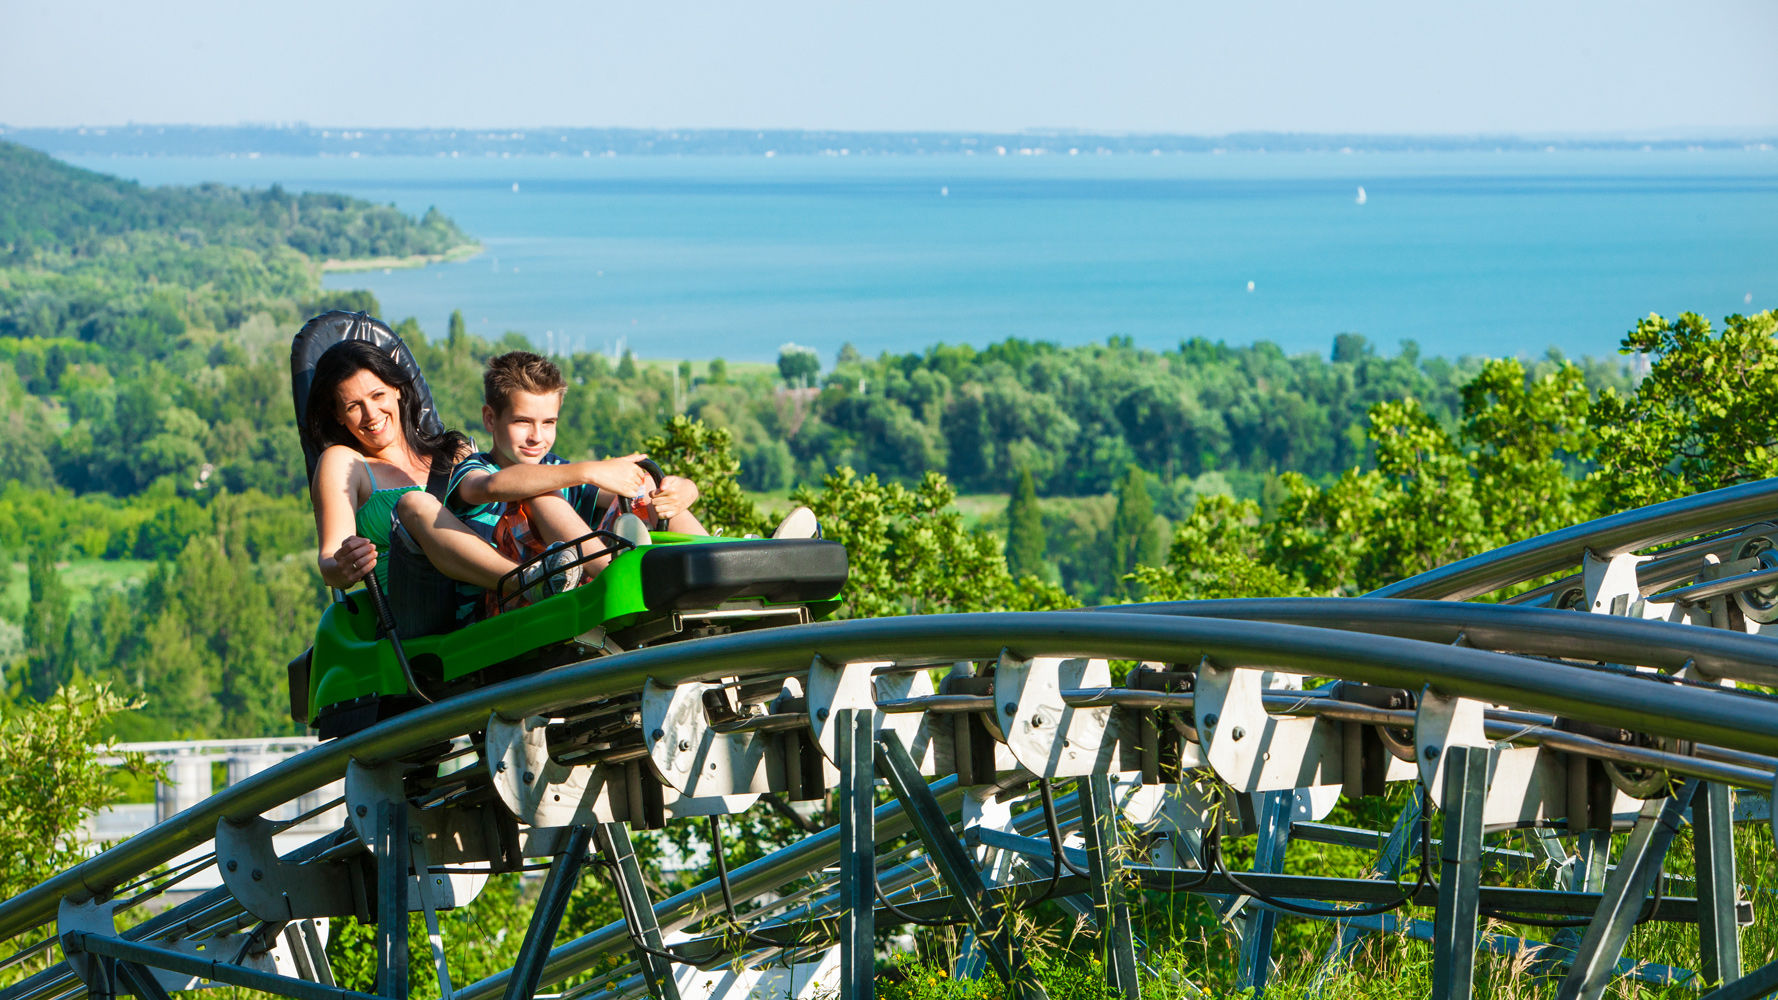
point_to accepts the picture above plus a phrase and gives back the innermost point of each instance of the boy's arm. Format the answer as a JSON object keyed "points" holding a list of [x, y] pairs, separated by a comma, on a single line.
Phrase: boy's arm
{"points": [[522, 482]]}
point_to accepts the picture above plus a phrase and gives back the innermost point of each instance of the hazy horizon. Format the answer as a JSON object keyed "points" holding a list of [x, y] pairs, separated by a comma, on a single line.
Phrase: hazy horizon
{"points": [[1672, 133], [1382, 67]]}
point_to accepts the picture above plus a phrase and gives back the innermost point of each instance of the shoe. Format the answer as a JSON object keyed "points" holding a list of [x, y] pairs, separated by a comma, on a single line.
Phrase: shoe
{"points": [[557, 572], [799, 523], [630, 528]]}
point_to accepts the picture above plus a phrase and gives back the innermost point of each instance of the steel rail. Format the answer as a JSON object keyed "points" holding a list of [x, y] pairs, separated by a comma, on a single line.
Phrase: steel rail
{"points": [[1698, 593], [1555, 551], [1734, 719], [1507, 628], [1663, 569]]}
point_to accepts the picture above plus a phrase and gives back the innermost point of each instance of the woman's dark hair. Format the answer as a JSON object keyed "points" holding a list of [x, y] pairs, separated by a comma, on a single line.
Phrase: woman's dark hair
{"points": [[347, 358]]}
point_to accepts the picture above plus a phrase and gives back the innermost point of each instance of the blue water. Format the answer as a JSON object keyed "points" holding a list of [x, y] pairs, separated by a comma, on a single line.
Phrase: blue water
{"points": [[1495, 253]]}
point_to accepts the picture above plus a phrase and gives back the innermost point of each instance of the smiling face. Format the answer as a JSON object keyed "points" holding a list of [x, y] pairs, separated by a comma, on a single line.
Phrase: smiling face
{"points": [[371, 409], [526, 430]]}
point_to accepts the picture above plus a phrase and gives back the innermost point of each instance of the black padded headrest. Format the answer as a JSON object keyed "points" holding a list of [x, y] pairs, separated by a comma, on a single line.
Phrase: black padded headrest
{"points": [[328, 329]]}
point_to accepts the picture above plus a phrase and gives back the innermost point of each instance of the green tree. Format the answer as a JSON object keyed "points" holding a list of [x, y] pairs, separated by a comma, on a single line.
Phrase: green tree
{"points": [[1135, 537], [1218, 551], [458, 334], [1706, 415], [48, 665], [798, 365], [910, 553], [51, 780], [1025, 538], [770, 466]]}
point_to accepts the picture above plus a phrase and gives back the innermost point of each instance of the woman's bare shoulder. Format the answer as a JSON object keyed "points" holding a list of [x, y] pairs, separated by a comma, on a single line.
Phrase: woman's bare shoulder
{"points": [[337, 464]]}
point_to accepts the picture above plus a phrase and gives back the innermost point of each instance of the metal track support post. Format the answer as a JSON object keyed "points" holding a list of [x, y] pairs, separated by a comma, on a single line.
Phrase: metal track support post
{"points": [[858, 853], [546, 917], [306, 950], [1100, 832], [102, 977], [1713, 833], [394, 864], [645, 930], [1260, 923], [1638, 871], [992, 923], [1460, 871]]}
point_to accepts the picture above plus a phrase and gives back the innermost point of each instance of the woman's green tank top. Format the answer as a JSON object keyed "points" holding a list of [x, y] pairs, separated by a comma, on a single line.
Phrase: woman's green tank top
{"points": [[374, 517]]}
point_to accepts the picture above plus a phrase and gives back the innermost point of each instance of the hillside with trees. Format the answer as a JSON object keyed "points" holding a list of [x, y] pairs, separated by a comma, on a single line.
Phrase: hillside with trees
{"points": [[153, 449]]}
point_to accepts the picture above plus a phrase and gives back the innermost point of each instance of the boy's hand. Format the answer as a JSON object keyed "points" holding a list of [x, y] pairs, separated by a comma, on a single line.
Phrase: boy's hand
{"points": [[675, 496], [620, 476]]}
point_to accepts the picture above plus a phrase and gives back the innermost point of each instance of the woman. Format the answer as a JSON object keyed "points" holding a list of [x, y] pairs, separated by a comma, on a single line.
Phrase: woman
{"points": [[371, 501]]}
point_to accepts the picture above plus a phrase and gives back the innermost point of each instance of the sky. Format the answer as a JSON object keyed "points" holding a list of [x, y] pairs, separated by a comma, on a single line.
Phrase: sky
{"points": [[1374, 66]]}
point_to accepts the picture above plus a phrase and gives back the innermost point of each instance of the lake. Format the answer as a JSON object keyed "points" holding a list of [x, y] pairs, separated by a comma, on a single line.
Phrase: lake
{"points": [[732, 256]]}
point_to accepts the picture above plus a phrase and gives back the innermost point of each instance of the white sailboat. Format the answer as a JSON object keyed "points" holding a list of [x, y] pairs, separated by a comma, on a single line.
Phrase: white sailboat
{"points": [[1361, 195]]}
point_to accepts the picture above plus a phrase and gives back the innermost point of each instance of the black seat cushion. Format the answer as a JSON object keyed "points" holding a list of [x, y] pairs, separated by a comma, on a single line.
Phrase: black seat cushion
{"points": [[778, 571]]}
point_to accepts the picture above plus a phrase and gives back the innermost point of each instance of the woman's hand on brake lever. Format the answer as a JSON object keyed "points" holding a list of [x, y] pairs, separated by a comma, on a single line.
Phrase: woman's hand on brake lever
{"points": [[353, 561]]}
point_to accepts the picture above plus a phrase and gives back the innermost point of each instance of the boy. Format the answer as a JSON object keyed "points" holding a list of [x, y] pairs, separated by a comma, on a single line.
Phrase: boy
{"points": [[521, 398]]}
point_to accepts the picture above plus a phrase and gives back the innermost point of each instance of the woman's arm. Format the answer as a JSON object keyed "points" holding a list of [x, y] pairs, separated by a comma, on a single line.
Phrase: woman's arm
{"points": [[343, 557]]}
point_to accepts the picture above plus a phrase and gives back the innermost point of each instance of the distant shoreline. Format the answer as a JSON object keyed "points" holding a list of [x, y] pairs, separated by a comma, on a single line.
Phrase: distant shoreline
{"points": [[251, 141], [463, 252]]}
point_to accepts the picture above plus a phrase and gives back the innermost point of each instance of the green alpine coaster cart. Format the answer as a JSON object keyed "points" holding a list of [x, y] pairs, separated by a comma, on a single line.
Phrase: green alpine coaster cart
{"points": [[360, 672]]}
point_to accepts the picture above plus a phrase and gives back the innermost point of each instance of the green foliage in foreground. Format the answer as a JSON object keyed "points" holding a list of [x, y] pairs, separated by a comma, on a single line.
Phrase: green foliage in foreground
{"points": [[1531, 454], [54, 781]]}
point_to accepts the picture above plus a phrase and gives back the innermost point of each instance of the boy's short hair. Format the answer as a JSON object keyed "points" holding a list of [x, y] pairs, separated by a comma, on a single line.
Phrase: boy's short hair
{"points": [[519, 371]]}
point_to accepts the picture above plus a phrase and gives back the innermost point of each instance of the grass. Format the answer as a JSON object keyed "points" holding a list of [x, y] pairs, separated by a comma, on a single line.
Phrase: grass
{"points": [[978, 509], [701, 368], [84, 578]]}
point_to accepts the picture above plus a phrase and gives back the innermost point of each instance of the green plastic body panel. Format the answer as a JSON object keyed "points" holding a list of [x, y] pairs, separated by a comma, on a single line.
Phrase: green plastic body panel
{"points": [[350, 663]]}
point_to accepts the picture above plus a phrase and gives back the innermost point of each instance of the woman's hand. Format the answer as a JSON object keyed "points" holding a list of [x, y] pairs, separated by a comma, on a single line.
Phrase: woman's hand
{"points": [[354, 560], [621, 477]]}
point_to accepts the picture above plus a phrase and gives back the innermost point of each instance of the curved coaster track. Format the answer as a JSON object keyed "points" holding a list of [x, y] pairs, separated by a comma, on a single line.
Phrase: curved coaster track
{"points": [[1018, 769]]}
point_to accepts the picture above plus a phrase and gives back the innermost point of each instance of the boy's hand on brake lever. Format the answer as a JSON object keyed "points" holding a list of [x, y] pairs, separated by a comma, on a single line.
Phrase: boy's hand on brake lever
{"points": [[621, 476]]}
